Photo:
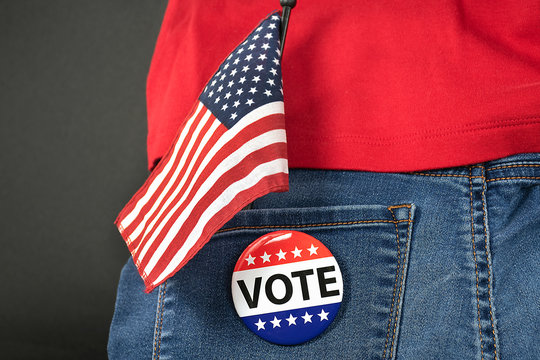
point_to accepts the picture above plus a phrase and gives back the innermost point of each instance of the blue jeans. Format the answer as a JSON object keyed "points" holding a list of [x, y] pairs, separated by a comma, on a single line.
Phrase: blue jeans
{"points": [[440, 264]]}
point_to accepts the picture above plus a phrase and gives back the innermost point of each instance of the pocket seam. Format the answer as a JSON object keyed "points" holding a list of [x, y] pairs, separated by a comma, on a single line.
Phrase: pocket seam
{"points": [[402, 265], [312, 225], [159, 316]]}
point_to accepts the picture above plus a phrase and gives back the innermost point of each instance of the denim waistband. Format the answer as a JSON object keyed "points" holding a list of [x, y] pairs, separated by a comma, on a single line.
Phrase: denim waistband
{"points": [[520, 166]]}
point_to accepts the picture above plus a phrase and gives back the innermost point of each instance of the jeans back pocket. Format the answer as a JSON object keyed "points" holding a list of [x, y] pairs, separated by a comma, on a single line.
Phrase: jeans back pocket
{"points": [[371, 245]]}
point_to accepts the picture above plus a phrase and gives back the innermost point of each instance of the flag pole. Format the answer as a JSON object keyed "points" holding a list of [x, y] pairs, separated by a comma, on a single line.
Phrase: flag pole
{"points": [[287, 7]]}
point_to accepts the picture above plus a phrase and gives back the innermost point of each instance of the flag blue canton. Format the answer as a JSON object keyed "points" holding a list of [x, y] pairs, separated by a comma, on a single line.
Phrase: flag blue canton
{"points": [[249, 78]]}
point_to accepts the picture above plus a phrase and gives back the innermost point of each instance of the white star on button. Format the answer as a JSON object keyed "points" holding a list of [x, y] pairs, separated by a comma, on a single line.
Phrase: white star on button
{"points": [[260, 324], [296, 252], [312, 250], [323, 315], [251, 260], [265, 257], [281, 255], [307, 317], [276, 322], [291, 319]]}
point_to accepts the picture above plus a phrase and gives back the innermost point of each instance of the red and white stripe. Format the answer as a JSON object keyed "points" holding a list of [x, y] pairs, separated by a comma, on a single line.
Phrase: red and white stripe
{"points": [[208, 175]]}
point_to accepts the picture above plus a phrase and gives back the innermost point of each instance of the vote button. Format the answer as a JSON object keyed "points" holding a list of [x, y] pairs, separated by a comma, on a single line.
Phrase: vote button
{"points": [[287, 287]]}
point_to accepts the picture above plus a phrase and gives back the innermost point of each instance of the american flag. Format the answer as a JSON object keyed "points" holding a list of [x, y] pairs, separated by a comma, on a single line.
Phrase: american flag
{"points": [[231, 150]]}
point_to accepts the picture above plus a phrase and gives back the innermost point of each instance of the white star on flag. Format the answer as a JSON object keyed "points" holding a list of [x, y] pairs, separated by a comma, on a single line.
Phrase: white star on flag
{"points": [[307, 317], [260, 324], [323, 315]]}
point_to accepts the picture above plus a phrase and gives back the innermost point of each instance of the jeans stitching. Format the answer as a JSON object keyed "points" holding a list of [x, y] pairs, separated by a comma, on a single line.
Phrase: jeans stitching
{"points": [[487, 263], [308, 225], [512, 166], [402, 274], [475, 265], [439, 175], [515, 177], [156, 327], [395, 285], [161, 318], [157, 345]]}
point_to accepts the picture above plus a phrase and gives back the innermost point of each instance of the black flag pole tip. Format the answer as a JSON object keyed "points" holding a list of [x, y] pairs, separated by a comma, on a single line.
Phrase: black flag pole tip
{"points": [[287, 7]]}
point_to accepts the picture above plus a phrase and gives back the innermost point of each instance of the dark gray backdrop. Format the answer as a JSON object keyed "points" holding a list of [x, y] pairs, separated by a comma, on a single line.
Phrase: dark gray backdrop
{"points": [[72, 151]]}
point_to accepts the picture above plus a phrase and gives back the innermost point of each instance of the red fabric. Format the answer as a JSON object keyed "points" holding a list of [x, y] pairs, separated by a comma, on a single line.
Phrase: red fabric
{"points": [[370, 85]]}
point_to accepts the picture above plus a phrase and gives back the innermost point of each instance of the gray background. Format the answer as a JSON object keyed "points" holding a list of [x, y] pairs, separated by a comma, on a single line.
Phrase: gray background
{"points": [[72, 151]]}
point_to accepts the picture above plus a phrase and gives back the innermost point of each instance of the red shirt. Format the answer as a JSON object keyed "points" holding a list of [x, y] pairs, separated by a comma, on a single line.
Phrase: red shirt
{"points": [[369, 85]]}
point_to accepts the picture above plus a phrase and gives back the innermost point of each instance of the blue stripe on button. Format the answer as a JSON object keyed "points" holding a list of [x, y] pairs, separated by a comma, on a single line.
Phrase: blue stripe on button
{"points": [[291, 334]]}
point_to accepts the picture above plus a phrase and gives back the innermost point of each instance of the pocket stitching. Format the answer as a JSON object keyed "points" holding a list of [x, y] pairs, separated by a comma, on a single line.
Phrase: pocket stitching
{"points": [[391, 208], [309, 225], [395, 286], [157, 330]]}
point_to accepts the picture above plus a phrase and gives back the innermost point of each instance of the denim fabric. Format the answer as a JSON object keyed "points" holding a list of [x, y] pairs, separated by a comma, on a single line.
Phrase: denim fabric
{"points": [[437, 264]]}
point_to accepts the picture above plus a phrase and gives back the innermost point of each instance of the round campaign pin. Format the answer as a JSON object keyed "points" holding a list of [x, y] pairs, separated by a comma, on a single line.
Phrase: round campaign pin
{"points": [[287, 287]]}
